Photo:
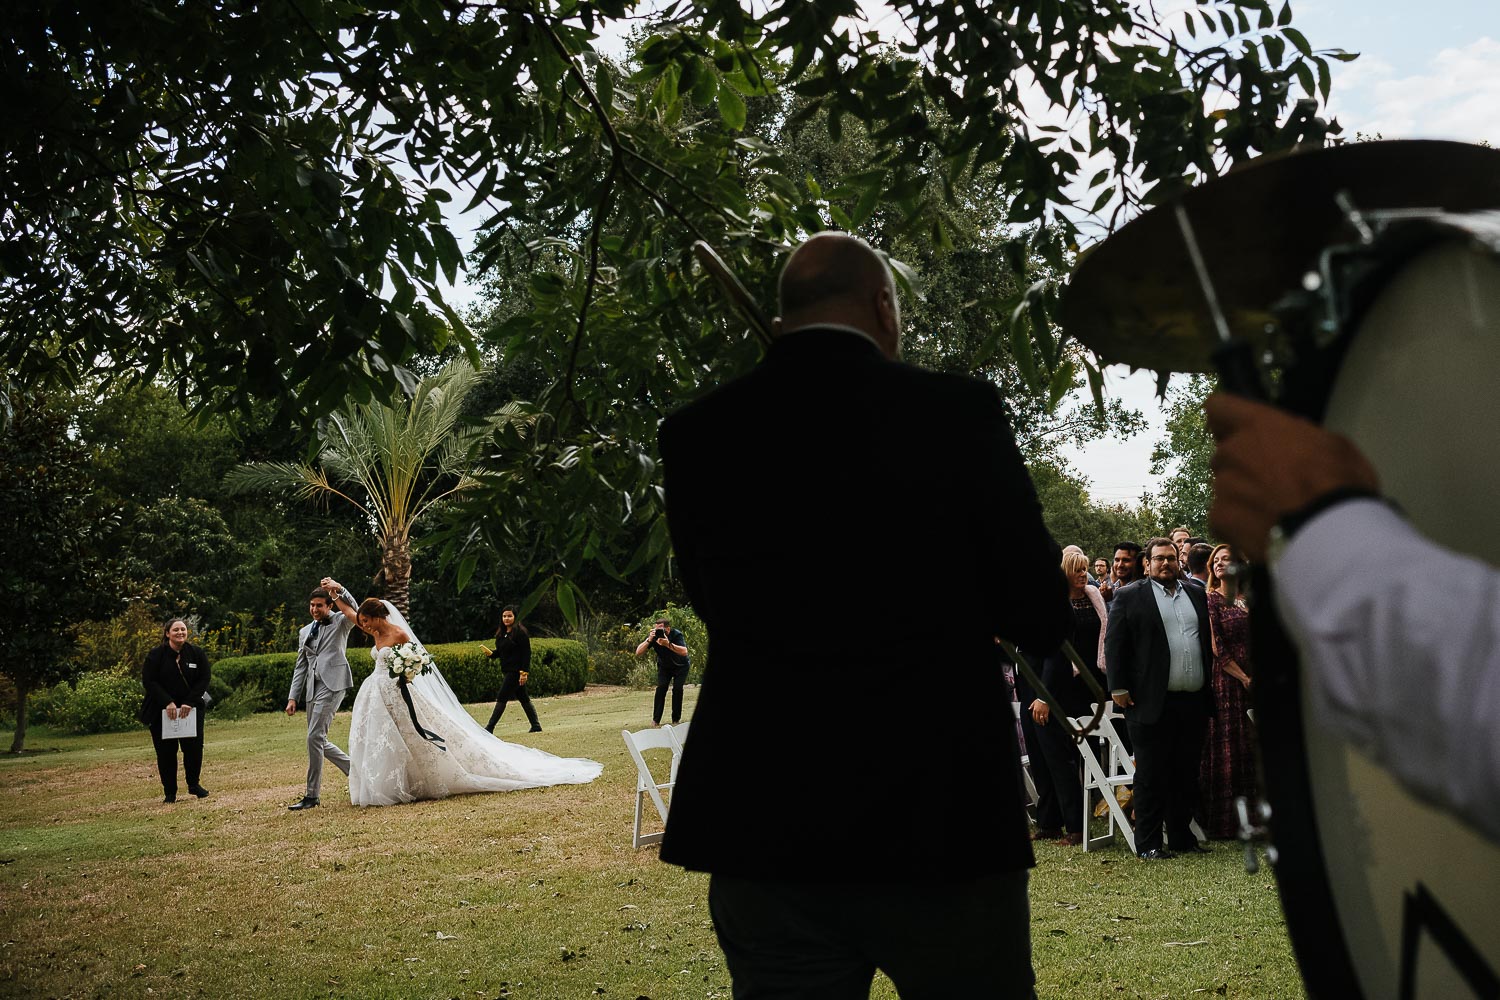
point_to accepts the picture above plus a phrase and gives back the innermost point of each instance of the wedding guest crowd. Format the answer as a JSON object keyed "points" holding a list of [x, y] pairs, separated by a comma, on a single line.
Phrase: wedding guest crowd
{"points": [[1177, 668]]}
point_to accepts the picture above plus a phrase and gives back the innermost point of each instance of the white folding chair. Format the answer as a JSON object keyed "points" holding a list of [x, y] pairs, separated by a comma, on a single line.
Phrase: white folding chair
{"points": [[1032, 798], [645, 783], [678, 735], [1103, 777]]}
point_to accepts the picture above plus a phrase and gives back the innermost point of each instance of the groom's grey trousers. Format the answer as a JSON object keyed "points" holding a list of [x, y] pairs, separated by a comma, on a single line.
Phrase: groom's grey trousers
{"points": [[325, 702]]}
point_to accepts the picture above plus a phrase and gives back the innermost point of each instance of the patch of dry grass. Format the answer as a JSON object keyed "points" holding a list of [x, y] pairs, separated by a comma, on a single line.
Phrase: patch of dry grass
{"points": [[105, 892]]}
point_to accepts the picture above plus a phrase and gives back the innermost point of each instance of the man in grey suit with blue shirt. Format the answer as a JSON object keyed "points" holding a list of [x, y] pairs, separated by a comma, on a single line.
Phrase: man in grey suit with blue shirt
{"points": [[321, 678], [1159, 654]]}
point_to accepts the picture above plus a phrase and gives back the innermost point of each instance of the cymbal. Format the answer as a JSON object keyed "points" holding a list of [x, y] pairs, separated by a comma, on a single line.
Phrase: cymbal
{"points": [[1135, 299]]}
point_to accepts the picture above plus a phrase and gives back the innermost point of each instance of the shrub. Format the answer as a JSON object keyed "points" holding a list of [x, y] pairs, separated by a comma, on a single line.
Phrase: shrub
{"points": [[611, 650], [558, 666], [99, 702], [642, 676], [240, 702], [119, 644], [41, 705], [247, 634]]}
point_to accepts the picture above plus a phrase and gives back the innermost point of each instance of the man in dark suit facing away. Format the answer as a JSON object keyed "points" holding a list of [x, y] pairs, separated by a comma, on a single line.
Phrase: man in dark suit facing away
{"points": [[1159, 653], [851, 780]]}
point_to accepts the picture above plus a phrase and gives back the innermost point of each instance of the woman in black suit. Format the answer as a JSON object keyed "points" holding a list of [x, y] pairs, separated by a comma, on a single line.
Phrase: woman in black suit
{"points": [[513, 646], [176, 676]]}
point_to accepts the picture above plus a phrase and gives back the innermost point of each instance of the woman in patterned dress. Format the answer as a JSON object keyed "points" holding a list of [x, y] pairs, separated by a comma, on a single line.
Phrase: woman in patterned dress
{"points": [[1228, 769]]}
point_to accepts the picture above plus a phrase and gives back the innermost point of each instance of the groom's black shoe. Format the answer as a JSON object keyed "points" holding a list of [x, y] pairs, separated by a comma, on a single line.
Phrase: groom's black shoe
{"points": [[306, 803], [536, 729], [199, 791]]}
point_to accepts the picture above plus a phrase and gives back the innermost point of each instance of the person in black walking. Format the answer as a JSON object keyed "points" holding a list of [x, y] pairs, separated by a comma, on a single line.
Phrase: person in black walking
{"points": [[513, 646], [175, 676], [672, 665]]}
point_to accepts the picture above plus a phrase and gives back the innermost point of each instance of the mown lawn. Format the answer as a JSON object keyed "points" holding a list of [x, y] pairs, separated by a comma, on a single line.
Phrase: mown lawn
{"points": [[106, 892]]}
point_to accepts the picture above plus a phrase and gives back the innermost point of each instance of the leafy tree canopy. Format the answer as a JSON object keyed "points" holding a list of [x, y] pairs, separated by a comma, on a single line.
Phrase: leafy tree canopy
{"points": [[245, 198], [52, 572], [1184, 455]]}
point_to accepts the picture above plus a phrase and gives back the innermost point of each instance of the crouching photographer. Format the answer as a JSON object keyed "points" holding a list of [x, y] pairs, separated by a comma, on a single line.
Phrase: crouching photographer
{"points": [[672, 664]]}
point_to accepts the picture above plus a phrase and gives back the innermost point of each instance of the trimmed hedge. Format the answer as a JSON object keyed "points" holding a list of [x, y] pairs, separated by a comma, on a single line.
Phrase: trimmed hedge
{"points": [[558, 666]]}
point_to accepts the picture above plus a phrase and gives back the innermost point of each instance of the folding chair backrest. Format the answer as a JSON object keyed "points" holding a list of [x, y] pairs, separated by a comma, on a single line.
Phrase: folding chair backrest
{"points": [[645, 783], [678, 735]]}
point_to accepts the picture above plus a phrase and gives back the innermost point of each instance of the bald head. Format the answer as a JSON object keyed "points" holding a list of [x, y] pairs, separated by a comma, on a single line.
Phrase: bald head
{"points": [[838, 278]]}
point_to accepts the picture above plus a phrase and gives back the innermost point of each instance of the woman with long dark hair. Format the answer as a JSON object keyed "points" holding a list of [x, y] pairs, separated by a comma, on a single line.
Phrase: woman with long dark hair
{"points": [[513, 647], [175, 675], [1228, 768]]}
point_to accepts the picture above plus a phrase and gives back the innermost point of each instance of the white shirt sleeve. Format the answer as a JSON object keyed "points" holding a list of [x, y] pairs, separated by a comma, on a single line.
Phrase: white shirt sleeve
{"points": [[1401, 643]]}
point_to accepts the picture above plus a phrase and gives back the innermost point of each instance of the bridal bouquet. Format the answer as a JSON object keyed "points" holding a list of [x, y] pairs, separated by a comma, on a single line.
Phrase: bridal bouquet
{"points": [[408, 660]]}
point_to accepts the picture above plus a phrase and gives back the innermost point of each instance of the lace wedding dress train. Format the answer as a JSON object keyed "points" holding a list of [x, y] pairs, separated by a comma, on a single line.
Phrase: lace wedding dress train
{"points": [[389, 762]]}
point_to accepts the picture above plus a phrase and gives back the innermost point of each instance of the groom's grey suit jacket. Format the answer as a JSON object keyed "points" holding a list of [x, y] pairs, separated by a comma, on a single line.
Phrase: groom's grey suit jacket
{"points": [[323, 656]]}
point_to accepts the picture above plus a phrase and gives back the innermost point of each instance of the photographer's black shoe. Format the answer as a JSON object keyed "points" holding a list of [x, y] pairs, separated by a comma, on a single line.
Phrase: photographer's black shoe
{"points": [[199, 791], [535, 729]]}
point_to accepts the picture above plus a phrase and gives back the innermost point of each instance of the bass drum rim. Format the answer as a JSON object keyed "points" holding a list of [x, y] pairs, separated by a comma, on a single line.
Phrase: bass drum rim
{"points": [[1302, 881], [1306, 884]]}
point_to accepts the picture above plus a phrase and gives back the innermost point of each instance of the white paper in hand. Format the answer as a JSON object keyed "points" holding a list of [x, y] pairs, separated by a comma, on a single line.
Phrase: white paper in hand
{"points": [[184, 726]]}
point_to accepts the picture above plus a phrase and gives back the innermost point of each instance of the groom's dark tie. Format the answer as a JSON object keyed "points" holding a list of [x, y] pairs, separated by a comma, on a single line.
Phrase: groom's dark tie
{"points": [[312, 637]]}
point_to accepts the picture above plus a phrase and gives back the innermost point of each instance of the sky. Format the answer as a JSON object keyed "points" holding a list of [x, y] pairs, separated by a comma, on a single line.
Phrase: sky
{"points": [[1426, 71]]}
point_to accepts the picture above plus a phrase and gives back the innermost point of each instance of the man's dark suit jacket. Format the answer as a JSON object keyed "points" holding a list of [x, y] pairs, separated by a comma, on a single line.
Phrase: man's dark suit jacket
{"points": [[854, 533], [1136, 653]]}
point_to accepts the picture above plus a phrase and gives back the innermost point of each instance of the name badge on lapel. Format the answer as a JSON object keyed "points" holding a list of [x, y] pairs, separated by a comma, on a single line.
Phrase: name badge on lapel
{"points": [[192, 666]]}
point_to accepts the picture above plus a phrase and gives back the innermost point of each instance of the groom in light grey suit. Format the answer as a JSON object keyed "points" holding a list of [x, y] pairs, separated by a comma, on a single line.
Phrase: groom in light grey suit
{"points": [[321, 678]]}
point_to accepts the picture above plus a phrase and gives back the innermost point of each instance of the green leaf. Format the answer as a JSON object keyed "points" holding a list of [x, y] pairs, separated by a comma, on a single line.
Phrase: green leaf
{"points": [[465, 571], [534, 598], [1299, 40], [1096, 384], [604, 85], [732, 109], [567, 601], [1305, 77], [1285, 17]]}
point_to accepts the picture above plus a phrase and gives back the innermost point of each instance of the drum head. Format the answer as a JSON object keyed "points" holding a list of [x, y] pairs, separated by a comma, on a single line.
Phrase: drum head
{"points": [[1412, 891]]}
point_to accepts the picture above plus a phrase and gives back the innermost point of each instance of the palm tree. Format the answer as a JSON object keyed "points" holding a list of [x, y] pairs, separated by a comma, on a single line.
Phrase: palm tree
{"points": [[401, 459]]}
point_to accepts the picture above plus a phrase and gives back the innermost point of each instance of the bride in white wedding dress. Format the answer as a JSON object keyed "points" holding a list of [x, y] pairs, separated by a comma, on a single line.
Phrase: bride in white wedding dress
{"points": [[390, 761]]}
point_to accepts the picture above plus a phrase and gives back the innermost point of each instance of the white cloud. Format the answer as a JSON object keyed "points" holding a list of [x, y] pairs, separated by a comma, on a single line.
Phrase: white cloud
{"points": [[1457, 97]]}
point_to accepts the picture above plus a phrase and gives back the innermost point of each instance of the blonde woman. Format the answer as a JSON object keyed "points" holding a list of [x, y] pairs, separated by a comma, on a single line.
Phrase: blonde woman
{"points": [[1059, 783]]}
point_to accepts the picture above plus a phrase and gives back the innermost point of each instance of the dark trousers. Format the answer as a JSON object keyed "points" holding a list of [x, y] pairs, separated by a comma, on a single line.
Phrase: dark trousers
{"points": [[1057, 772], [511, 687], [936, 940], [677, 677], [1168, 753], [166, 761]]}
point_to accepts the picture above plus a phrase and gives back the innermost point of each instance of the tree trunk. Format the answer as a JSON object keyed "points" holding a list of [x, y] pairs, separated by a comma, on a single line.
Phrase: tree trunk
{"points": [[19, 740], [395, 567]]}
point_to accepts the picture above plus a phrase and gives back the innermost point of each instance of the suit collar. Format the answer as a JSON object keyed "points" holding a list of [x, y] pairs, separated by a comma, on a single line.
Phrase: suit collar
{"points": [[824, 342]]}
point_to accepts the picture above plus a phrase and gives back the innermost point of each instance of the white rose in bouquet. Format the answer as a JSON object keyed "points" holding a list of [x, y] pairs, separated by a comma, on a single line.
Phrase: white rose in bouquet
{"points": [[408, 660]]}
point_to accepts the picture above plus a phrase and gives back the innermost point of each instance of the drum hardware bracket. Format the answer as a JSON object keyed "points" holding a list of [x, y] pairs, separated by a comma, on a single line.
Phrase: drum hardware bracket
{"points": [[1255, 831], [1343, 267]]}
